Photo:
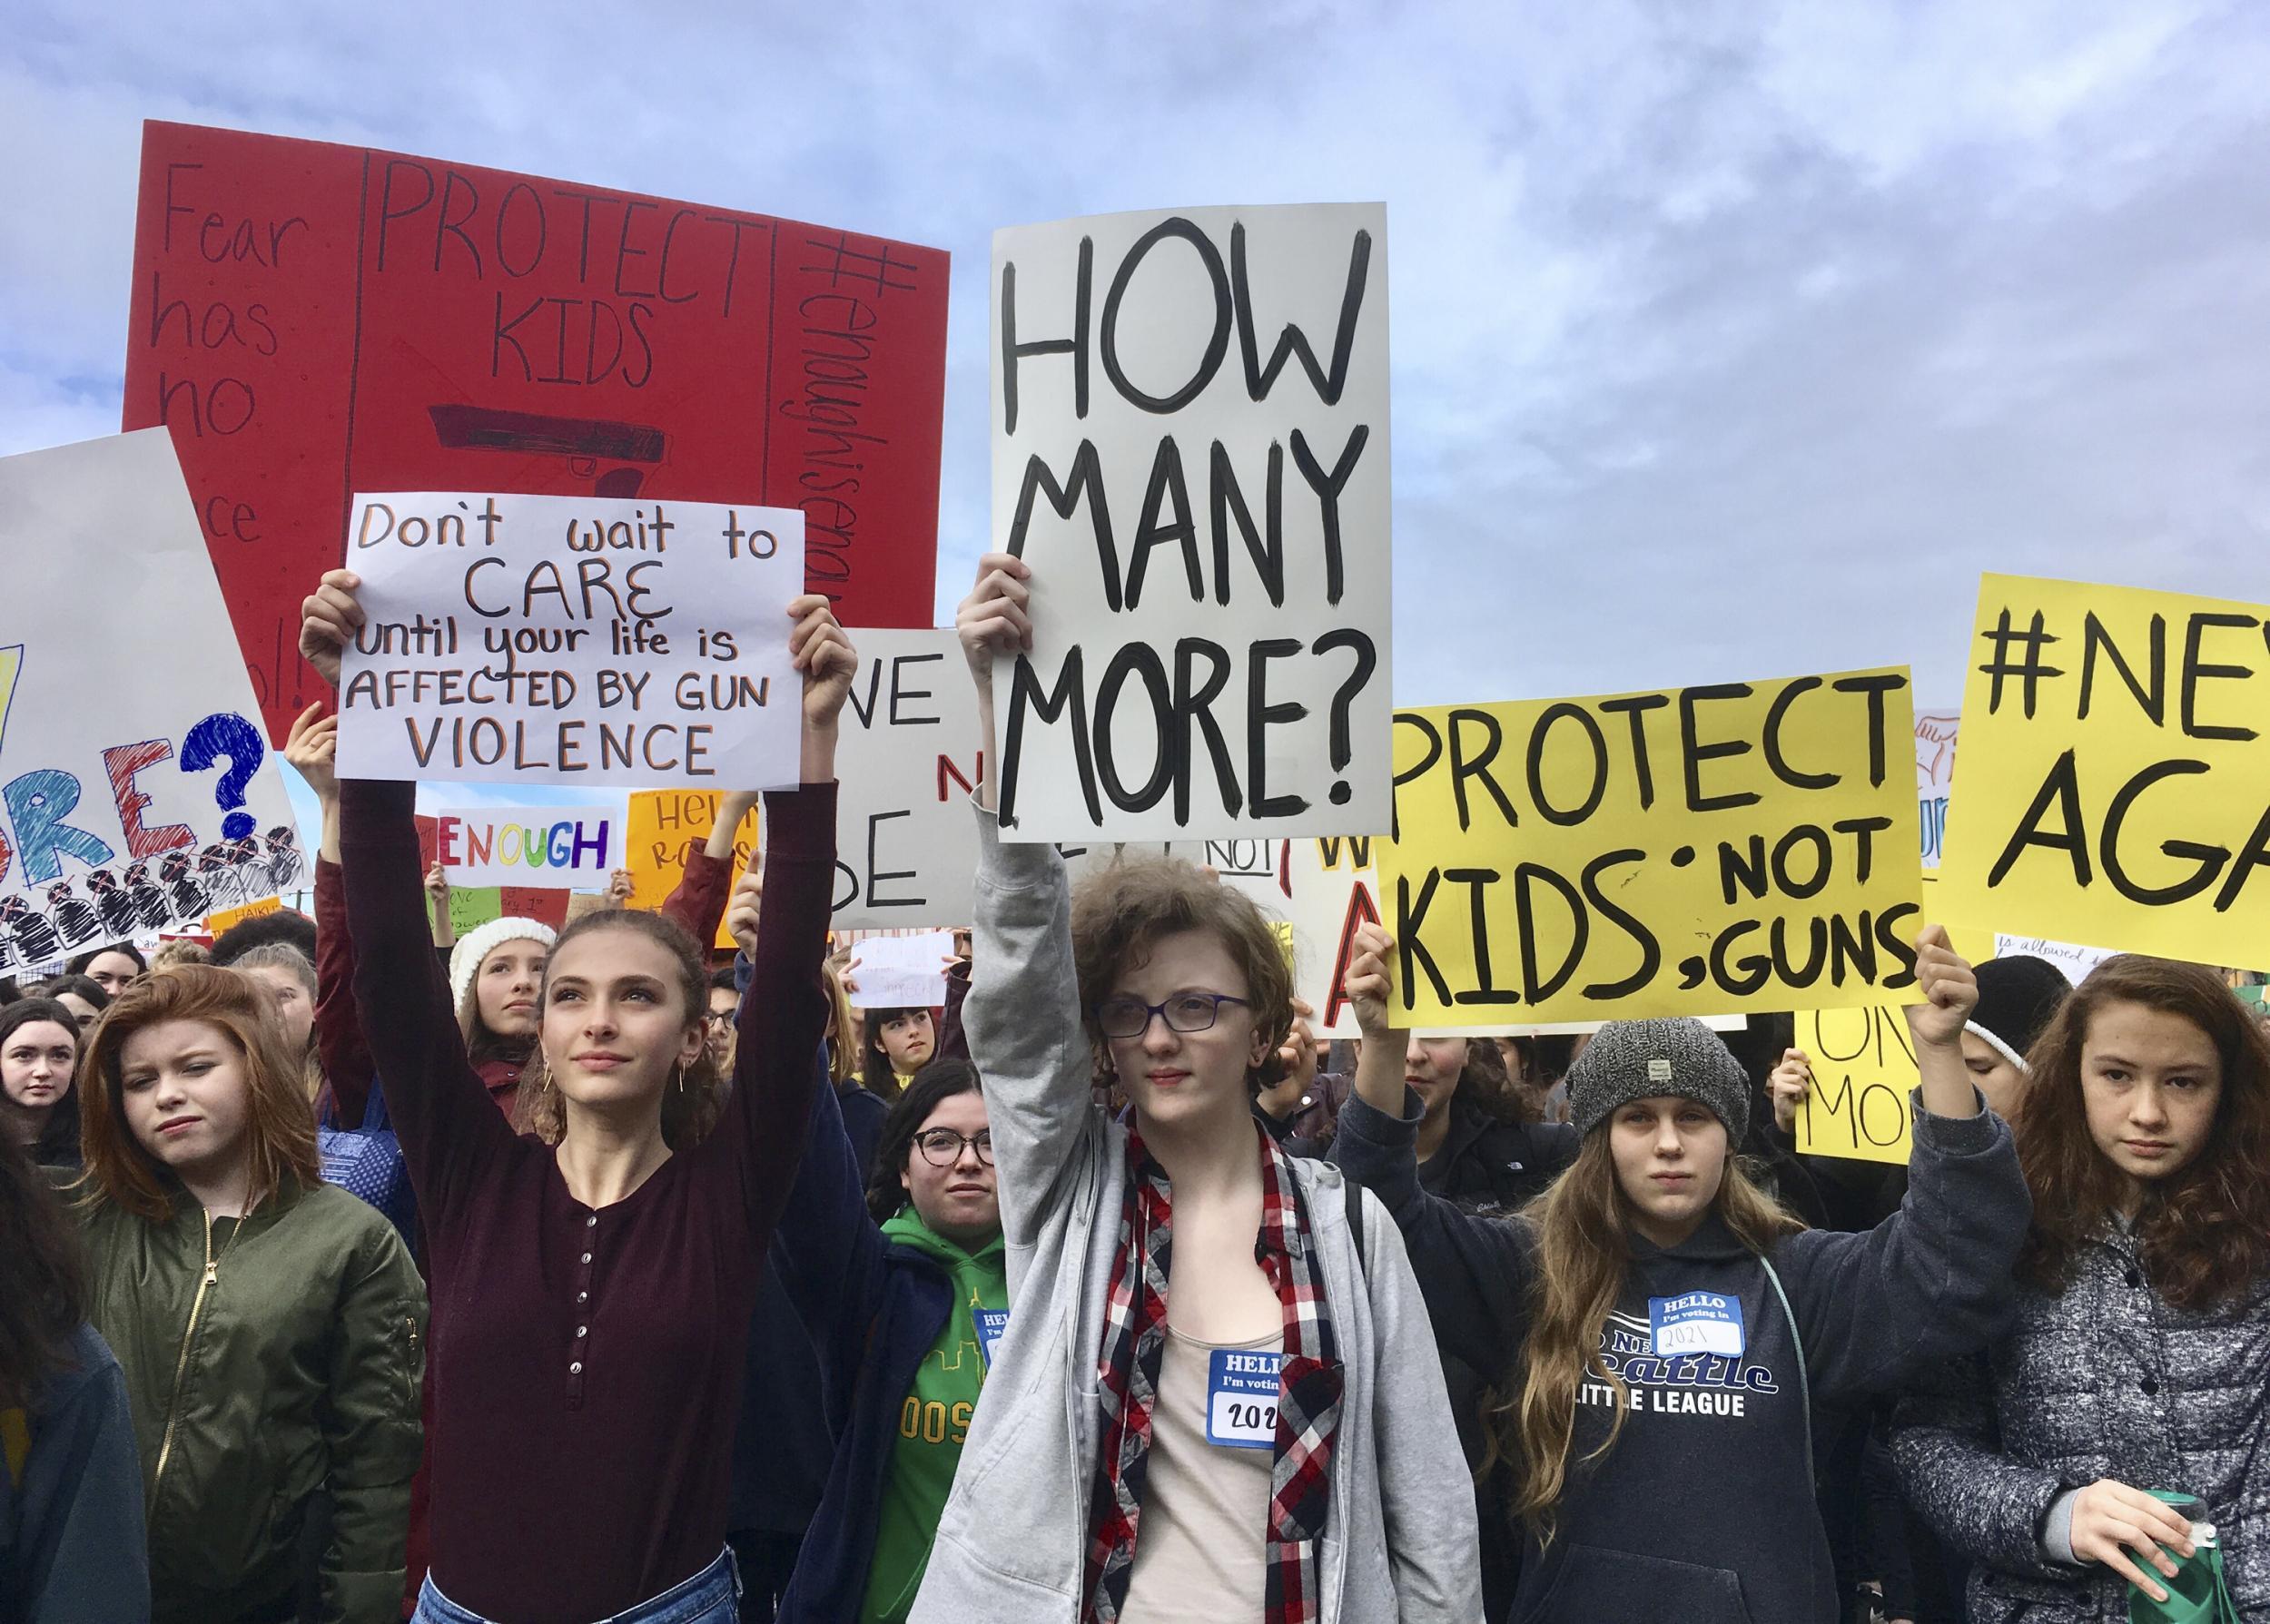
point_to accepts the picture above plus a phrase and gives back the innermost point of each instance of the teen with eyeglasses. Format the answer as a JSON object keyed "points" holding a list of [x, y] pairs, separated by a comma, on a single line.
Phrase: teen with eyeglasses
{"points": [[903, 1284], [1203, 1405]]}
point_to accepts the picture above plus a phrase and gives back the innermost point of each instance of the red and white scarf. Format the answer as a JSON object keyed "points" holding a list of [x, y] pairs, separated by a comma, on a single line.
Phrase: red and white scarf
{"points": [[1134, 1341]]}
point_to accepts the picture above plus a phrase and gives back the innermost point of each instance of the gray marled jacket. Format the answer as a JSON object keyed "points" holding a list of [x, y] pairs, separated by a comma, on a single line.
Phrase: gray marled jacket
{"points": [[2106, 1380]]}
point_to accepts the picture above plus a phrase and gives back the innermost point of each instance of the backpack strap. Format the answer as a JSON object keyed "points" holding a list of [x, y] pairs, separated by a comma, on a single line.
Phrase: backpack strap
{"points": [[1352, 1194], [1796, 1337]]}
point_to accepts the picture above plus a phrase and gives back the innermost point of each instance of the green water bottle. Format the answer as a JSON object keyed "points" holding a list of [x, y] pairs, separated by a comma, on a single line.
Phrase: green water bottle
{"points": [[2198, 1593]]}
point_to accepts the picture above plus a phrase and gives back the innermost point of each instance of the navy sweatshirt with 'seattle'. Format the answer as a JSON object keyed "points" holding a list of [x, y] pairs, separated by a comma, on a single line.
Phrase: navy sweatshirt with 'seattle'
{"points": [[1703, 1510]]}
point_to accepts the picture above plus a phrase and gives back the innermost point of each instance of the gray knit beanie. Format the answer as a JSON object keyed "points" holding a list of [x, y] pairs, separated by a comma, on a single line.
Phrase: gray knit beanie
{"points": [[1632, 1059]]}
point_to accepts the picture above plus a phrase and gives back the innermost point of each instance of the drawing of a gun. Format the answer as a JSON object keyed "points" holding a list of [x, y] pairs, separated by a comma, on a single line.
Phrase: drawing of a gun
{"points": [[585, 442]]}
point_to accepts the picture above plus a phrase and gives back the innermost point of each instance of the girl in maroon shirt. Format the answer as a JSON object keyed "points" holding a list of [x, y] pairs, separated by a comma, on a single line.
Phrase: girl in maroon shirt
{"points": [[591, 1298]]}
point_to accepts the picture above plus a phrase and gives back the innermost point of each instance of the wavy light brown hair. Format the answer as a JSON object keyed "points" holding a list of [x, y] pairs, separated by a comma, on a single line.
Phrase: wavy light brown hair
{"points": [[280, 1130], [844, 1058], [1581, 1227], [690, 1107], [2205, 1230], [1120, 912]]}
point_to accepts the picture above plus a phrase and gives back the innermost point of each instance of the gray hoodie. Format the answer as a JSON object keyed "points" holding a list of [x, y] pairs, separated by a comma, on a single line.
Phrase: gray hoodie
{"points": [[1401, 1541]]}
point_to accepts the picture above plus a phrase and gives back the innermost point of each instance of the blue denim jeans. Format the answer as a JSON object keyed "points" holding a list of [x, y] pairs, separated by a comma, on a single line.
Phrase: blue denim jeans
{"points": [[712, 1596]]}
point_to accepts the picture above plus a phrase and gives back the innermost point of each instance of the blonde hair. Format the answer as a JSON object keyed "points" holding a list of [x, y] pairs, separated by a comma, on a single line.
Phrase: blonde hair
{"points": [[1582, 1253], [844, 1028]]}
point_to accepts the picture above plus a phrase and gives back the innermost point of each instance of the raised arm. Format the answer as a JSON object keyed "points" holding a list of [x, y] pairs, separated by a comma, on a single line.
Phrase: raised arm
{"points": [[372, 1431], [699, 901], [313, 750], [440, 1110], [1433, 1554], [1934, 1279], [786, 1010], [1023, 1018], [829, 1250], [1473, 1271]]}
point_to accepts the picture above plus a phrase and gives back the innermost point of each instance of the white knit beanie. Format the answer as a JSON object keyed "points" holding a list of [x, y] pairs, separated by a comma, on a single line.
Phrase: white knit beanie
{"points": [[465, 959]]}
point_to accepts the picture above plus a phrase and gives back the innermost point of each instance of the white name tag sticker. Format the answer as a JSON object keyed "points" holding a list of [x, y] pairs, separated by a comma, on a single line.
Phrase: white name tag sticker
{"points": [[1241, 1390], [1697, 1323], [990, 1323]]}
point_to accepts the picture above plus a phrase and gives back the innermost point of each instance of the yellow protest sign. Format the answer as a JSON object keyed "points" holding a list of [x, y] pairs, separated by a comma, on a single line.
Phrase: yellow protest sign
{"points": [[1864, 1069], [216, 924], [1704, 851], [1976, 945], [2114, 782], [664, 825]]}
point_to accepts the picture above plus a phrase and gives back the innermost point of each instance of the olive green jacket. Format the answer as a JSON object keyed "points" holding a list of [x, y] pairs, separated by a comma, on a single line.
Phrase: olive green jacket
{"points": [[267, 1360]]}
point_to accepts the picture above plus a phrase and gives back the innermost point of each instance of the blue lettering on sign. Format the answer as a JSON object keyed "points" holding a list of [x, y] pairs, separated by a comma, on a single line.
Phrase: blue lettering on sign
{"points": [[39, 801]]}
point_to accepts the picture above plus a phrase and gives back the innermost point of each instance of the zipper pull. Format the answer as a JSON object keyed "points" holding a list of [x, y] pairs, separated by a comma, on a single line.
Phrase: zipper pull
{"points": [[213, 1270]]}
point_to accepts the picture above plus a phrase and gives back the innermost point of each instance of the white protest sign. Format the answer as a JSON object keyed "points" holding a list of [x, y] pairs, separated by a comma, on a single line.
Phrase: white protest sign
{"points": [[130, 805], [572, 640], [899, 972], [906, 760], [2073, 963], [1935, 736], [574, 847], [1189, 417]]}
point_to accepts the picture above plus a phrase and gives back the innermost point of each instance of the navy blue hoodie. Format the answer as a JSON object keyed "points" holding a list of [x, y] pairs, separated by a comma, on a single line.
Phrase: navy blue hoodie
{"points": [[1703, 1510], [874, 1309]]}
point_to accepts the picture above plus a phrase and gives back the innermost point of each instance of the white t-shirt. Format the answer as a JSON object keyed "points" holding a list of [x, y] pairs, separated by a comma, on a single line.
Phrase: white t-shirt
{"points": [[1200, 1546]]}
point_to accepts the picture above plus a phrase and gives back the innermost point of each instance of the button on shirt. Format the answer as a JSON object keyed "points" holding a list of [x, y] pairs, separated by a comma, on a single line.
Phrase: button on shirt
{"points": [[644, 1305]]}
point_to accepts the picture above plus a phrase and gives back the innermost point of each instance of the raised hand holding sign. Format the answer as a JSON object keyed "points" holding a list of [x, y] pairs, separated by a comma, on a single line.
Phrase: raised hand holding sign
{"points": [[568, 640]]}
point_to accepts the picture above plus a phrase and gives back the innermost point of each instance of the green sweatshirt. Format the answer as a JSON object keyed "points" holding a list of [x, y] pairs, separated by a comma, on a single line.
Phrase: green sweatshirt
{"points": [[933, 1420]]}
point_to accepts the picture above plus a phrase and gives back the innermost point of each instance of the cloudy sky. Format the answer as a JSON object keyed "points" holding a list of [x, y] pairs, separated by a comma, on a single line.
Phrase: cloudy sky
{"points": [[1729, 340]]}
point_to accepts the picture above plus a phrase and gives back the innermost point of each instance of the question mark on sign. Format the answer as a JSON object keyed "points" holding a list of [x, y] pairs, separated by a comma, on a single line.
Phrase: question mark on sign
{"points": [[227, 736], [1367, 662]]}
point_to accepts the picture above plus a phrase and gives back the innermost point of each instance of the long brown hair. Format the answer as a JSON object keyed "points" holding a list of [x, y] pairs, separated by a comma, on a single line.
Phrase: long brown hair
{"points": [[43, 1284], [1485, 1084], [691, 1106], [1580, 1229], [2205, 1230], [280, 1130]]}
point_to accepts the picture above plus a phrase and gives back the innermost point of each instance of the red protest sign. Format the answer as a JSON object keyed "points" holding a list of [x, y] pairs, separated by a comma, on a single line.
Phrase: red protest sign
{"points": [[313, 320]]}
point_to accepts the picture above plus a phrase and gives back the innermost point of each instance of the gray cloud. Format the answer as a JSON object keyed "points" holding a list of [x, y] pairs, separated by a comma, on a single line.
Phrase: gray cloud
{"points": [[1729, 340]]}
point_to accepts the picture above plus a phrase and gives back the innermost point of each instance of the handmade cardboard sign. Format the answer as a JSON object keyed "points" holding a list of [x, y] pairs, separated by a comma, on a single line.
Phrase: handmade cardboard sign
{"points": [[906, 756], [471, 907], [1704, 850], [312, 321], [899, 972], [2115, 780], [568, 848], [1935, 736], [1206, 520], [572, 640], [2073, 962], [227, 918], [1864, 1070], [154, 804], [666, 826]]}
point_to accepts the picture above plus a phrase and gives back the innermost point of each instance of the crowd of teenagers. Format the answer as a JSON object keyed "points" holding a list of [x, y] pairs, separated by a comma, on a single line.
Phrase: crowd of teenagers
{"points": [[349, 1271]]}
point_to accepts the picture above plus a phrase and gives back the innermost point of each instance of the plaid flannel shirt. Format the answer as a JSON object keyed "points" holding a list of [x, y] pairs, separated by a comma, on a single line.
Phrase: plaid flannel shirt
{"points": [[1311, 1384]]}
